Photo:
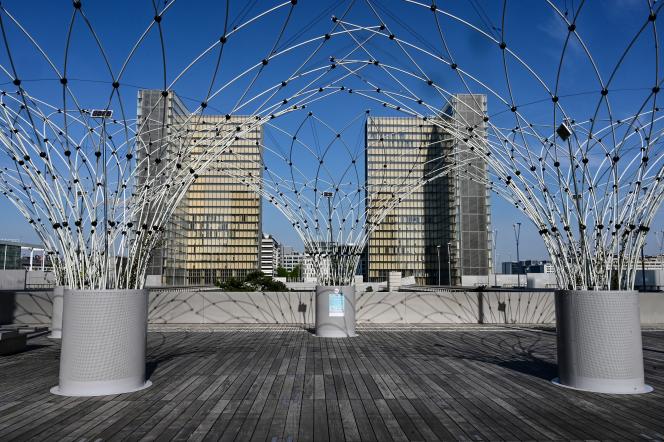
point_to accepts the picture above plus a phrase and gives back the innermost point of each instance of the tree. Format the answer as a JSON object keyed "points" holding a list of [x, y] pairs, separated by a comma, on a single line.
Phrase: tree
{"points": [[282, 272], [297, 270], [253, 282]]}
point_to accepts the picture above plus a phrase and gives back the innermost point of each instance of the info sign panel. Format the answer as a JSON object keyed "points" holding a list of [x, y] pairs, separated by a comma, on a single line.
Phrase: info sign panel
{"points": [[336, 303]]}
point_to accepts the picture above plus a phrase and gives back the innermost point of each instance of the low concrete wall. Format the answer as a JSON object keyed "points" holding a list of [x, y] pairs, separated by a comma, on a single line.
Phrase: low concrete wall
{"points": [[211, 306], [22, 279], [26, 307], [216, 307]]}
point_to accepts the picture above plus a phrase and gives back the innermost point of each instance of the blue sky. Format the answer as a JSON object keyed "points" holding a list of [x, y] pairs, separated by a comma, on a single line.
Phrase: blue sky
{"points": [[531, 29]]}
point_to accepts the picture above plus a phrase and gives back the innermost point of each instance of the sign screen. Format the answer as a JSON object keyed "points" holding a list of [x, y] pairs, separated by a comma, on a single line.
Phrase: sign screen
{"points": [[336, 303]]}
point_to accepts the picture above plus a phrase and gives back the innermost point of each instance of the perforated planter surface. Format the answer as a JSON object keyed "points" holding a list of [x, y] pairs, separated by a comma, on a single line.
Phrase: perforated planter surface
{"points": [[56, 314], [335, 311], [103, 342], [599, 341]]}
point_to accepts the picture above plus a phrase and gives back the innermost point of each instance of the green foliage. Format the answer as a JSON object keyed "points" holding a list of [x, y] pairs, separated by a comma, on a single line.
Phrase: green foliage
{"points": [[295, 273], [252, 282]]}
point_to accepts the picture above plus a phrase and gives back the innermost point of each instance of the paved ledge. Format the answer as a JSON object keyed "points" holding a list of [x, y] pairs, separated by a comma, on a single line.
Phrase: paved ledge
{"points": [[281, 383]]}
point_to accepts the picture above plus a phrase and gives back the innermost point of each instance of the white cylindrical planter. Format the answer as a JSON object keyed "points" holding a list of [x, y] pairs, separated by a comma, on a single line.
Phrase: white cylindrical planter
{"points": [[56, 314], [599, 341], [335, 311], [103, 342]]}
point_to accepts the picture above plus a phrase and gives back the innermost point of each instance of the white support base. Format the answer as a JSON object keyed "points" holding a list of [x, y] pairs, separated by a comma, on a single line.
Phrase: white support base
{"points": [[599, 341], [103, 342]]}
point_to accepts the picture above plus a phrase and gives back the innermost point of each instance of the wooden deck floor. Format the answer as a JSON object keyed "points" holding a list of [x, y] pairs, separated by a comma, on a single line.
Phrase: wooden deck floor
{"points": [[285, 384]]}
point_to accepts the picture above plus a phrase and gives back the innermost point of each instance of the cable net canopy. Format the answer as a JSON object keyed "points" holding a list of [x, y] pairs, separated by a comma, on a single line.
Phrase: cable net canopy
{"points": [[568, 125]]}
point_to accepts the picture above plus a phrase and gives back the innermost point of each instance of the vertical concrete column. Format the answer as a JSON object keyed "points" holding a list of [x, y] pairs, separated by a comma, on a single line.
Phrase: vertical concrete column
{"points": [[56, 314], [393, 281]]}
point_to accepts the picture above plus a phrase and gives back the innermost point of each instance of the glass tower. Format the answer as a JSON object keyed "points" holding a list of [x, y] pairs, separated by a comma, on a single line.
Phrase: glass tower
{"points": [[441, 229], [215, 231]]}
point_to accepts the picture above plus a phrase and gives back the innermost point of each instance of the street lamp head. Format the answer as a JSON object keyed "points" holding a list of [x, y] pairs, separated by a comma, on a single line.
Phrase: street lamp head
{"points": [[102, 113]]}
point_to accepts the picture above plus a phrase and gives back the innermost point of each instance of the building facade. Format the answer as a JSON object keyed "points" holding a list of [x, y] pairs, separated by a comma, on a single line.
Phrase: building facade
{"points": [[269, 255], [441, 230], [223, 215]]}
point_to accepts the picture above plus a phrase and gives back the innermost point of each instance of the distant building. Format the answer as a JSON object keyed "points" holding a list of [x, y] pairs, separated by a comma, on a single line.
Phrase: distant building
{"points": [[269, 255], [10, 255], [442, 228], [289, 258], [527, 266], [215, 231], [17, 255]]}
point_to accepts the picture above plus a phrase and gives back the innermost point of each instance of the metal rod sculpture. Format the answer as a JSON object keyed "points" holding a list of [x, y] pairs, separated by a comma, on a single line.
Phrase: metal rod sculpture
{"points": [[99, 188], [589, 180], [590, 185]]}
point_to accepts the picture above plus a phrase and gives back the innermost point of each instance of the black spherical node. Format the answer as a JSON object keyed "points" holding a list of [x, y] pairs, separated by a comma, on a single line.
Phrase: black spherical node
{"points": [[327, 36], [513, 108], [228, 117], [283, 84], [42, 154], [77, 4], [430, 82], [604, 92], [485, 119], [453, 66], [63, 81], [293, 2], [433, 7], [556, 164], [334, 19], [264, 62], [655, 89], [571, 27], [16, 82], [391, 37], [203, 104], [652, 17], [502, 45], [157, 18], [554, 98], [381, 27], [222, 39]]}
